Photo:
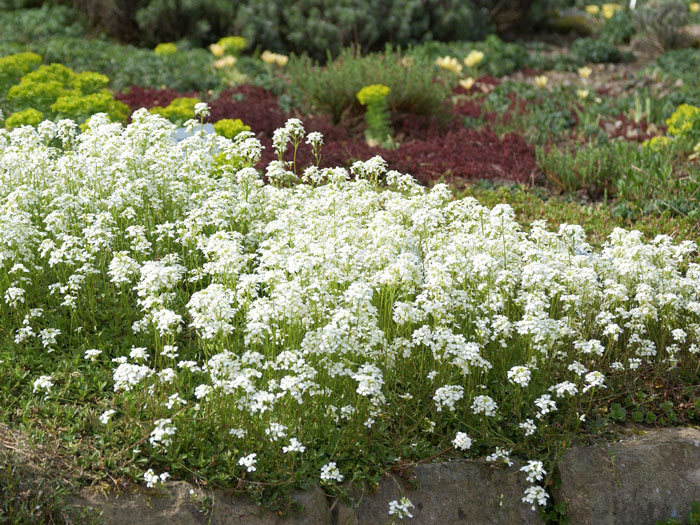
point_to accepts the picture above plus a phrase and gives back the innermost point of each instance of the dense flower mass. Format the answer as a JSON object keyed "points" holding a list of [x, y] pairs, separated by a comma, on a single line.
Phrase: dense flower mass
{"points": [[299, 321]]}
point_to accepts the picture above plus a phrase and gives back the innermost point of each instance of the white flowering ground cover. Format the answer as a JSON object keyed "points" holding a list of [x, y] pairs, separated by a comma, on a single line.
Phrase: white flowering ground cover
{"points": [[186, 319]]}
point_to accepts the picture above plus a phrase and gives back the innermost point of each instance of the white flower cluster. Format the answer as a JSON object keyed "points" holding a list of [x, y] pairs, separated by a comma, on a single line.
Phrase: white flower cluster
{"points": [[330, 472], [152, 479], [329, 302], [401, 509]]}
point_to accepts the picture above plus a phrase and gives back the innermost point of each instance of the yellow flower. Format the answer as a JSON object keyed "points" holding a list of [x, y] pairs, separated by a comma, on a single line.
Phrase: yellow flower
{"points": [[268, 57], [657, 143], [373, 93], [227, 61], [541, 81], [694, 7], [449, 63], [696, 152], [274, 58], [467, 83], [592, 9], [216, 50], [609, 10], [582, 93], [585, 71], [473, 58]]}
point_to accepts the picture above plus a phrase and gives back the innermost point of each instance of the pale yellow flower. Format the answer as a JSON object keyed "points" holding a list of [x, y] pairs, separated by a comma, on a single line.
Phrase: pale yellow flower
{"points": [[609, 10], [473, 58], [449, 63], [467, 83], [216, 50], [592, 9], [541, 81], [268, 57], [582, 93], [227, 61], [274, 58], [585, 71], [694, 7]]}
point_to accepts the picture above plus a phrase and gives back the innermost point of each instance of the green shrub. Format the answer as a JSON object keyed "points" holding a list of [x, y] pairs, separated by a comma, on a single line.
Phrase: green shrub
{"points": [[676, 64], [89, 82], [57, 92], [26, 117], [79, 107], [663, 21], [39, 95], [229, 128], [14, 67], [303, 26], [126, 66], [594, 169], [500, 58], [597, 51], [333, 89], [31, 26], [178, 111], [618, 29]]}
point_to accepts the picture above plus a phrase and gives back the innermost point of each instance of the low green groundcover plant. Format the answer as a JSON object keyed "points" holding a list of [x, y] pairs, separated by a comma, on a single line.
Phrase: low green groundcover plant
{"points": [[266, 336]]}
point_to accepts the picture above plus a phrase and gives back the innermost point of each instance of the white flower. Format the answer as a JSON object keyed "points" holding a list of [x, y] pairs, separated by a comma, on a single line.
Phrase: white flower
{"points": [[14, 296], [500, 455], [138, 354], [249, 462], [43, 383], [529, 427], [545, 404], [162, 434], [633, 363], [562, 389], [401, 509], [106, 416], [519, 375], [294, 446], [126, 376], [535, 494], [238, 432], [447, 396], [153, 479], [462, 441], [201, 110], [484, 405], [535, 471], [92, 354], [276, 431], [330, 472], [594, 379]]}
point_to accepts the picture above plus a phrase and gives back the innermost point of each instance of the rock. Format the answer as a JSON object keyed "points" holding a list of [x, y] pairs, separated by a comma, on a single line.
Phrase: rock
{"points": [[690, 36], [637, 481], [579, 22], [181, 134], [179, 503], [468, 492]]}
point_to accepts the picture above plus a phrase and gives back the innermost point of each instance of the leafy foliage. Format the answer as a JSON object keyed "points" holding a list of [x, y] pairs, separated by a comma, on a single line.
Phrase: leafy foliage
{"points": [[333, 89]]}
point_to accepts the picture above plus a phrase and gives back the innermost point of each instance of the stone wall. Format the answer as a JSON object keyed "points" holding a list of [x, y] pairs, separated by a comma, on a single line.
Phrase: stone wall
{"points": [[637, 481]]}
